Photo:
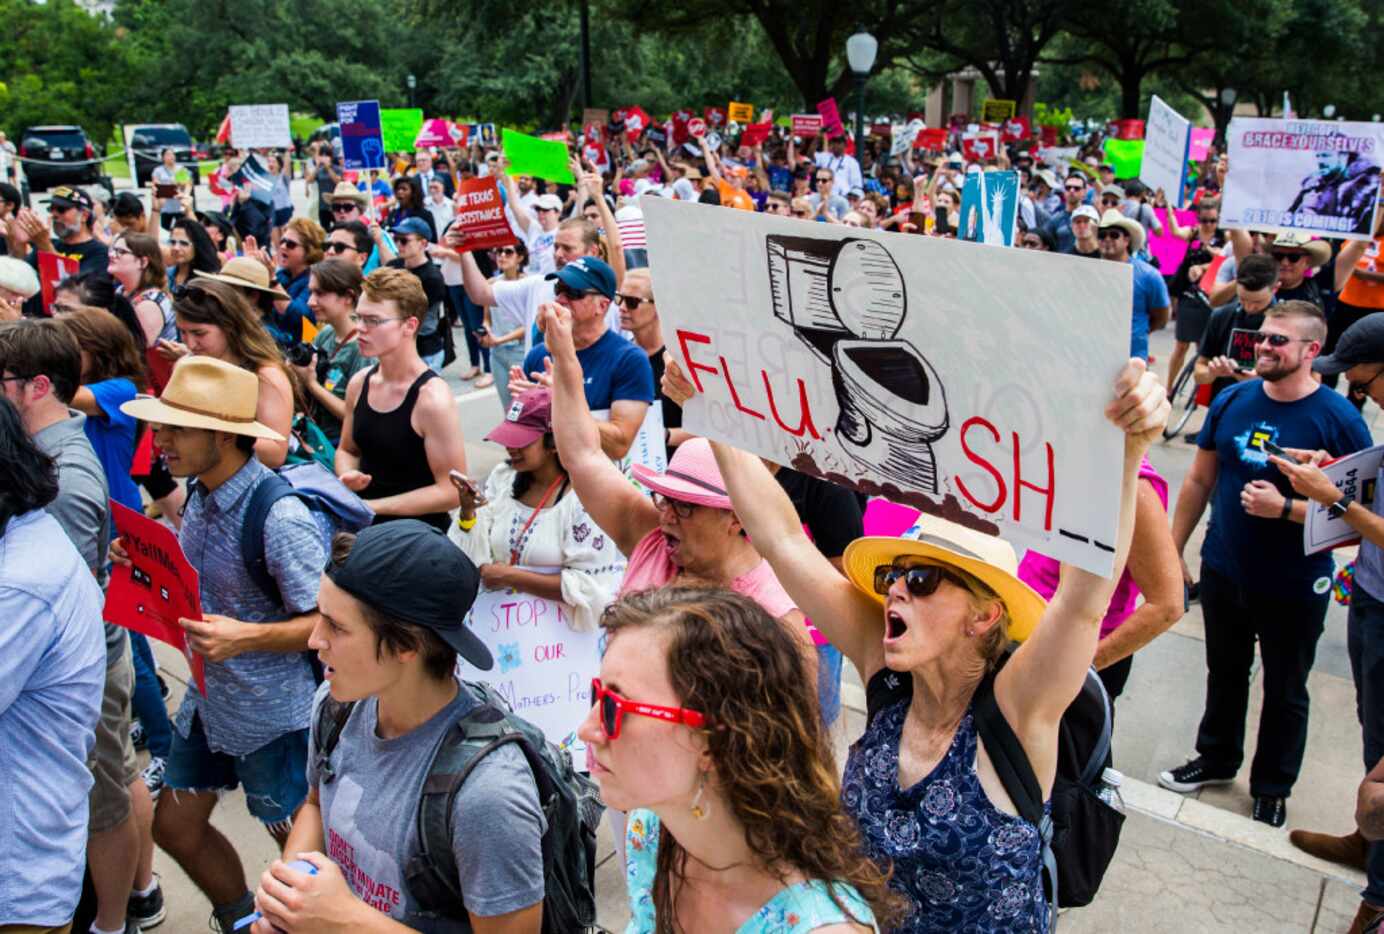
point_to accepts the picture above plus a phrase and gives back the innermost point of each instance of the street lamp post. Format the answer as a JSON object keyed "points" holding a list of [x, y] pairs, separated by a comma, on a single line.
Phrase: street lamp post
{"points": [[412, 83], [860, 55]]}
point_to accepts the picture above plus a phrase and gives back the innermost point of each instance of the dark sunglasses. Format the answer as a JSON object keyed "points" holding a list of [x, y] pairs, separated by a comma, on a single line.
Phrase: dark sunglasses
{"points": [[921, 580], [288, 244], [631, 302], [1110, 234], [1277, 340], [562, 288], [338, 247], [505, 251], [683, 510], [345, 207], [613, 707], [1289, 257], [825, 178], [1075, 187]]}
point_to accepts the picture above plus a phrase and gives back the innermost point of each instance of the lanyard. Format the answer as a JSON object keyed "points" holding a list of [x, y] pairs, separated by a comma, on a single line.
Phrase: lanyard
{"points": [[519, 542]]}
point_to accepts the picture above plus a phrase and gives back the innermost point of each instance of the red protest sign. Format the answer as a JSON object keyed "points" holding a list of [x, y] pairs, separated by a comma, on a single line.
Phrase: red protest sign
{"points": [[696, 127], [1208, 278], [933, 139], [481, 214], [978, 147], [755, 133], [681, 120], [831, 117], [637, 120], [1047, 136], [52, 269], [1017, 129], [715, 116], [157, 588], [805, 125]]}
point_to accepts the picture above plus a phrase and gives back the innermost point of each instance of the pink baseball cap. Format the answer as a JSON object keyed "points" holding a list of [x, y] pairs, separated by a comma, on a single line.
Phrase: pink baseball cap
{"points": [[692, 476], [529, 418]]}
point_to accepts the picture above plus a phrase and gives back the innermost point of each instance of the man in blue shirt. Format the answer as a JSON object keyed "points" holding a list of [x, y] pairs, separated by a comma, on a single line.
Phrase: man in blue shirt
{"points": [[1120, 238], [251, 728], [1060, 225], [1256, 584]]}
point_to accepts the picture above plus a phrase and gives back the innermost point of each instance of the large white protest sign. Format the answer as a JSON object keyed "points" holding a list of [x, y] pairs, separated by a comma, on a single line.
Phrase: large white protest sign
{"points": [[1314, 176], [542, 667], [1355, 475], [1167, 139], [260, 126], [648, 447], [965, 381]]}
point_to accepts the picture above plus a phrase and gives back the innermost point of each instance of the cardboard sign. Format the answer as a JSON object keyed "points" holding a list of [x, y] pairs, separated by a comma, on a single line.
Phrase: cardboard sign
{"points": [[157, 588], [755, 133], [52, 269], [990, 208], [399, 127], [362, 141], [997, 111], [806, 125], [980, 146], [1356, 475], [1241, 350], [886, 363], [541, 158], [1167, 141], [595, 115], [480, 213], [904, 137], [739, 112], [1125, 156], [831, 117], [542, 667], [1308, 176], [1202, 138], [260, 126]]}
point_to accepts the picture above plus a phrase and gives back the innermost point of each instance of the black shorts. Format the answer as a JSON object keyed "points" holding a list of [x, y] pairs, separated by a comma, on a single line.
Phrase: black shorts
{"points": [[1192, 315]]}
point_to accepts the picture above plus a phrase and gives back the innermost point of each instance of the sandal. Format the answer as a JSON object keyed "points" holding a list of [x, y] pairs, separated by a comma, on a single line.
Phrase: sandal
{"points": [[485, 381]]}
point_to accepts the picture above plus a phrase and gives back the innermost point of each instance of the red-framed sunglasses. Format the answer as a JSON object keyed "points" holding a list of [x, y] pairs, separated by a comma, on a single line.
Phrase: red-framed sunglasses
{"points": [[613, 707]]}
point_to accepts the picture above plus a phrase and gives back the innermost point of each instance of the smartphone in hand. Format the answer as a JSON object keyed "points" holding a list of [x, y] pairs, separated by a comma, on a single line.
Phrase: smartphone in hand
{"points": [[1270, 448]]}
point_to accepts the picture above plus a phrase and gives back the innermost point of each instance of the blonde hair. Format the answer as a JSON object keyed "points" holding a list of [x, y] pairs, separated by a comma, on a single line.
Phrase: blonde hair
{"points": [[312, 236], [400, 286]]}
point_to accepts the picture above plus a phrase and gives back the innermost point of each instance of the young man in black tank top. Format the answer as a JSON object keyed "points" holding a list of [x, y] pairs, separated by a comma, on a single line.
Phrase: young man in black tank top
{"points": [[402, 431]]}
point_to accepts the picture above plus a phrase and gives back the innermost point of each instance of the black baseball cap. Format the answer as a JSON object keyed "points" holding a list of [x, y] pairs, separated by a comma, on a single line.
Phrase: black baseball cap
{"points": [[64, 198], [408, 569], [1362, 342]]}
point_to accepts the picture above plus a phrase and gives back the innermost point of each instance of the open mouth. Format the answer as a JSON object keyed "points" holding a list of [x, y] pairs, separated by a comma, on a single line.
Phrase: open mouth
{"points": [[894, 626]]}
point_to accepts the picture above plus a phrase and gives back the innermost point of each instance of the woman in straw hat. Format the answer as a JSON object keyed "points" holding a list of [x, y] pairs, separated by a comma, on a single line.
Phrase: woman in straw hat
{"points": [[940, 606]]}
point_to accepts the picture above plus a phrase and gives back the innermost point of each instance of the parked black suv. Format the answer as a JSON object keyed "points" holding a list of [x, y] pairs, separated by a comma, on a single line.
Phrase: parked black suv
{"points": [[66, 157], [149, 140]]}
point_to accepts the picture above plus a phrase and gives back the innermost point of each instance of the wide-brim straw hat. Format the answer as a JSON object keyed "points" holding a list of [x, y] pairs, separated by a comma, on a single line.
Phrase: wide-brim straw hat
{"points": [[1135, 230], [989, 559], [205, 393], [345, 191], [1318, 251], [247, 273]]}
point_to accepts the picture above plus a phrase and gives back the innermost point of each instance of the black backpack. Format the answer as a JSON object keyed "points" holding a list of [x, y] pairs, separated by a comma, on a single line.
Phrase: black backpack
{"points": [[1081, 835], [571, 807]]}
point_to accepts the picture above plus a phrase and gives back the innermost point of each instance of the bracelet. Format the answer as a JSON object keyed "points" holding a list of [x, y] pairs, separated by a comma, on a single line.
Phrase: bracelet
{"points": [[466, 525], [1287, 507]]}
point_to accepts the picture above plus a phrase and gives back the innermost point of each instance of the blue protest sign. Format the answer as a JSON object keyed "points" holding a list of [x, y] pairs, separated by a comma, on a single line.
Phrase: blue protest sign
{"points": [[362, 143], [990, 208]]}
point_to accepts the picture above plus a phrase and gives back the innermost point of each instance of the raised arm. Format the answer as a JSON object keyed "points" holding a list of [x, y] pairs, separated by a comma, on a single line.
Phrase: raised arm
{"points": [[522, 218], [713, 164], [1160, 200], [477, 286]]}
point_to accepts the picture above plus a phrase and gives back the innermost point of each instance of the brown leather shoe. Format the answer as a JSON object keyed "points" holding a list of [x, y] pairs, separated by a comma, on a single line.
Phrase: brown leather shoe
{"points": [[1367, 914], [1350, 850]]}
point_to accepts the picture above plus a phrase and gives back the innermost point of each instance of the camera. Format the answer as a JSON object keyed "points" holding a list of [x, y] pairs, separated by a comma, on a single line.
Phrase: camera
{"points": [[299, 353]]}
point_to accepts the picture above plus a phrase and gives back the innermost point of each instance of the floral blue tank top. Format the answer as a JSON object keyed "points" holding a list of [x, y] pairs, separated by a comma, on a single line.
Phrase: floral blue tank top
{"points": [[962, 863], [797, 909]]}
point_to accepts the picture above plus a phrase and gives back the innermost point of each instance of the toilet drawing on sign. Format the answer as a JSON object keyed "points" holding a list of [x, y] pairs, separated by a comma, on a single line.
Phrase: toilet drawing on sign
{"points": [[846, 300]]}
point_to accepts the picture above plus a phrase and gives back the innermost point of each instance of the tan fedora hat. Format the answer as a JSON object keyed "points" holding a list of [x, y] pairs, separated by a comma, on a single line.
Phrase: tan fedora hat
{"points": [[205, 393], [1132, 228], [345, 191], [247, 273]]}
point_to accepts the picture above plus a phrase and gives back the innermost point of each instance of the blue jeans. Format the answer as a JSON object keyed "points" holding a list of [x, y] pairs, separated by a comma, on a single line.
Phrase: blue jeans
{"points": [[148, 699], [502, 357], [472, 318], [1365, 643], [274, 775], [434, 361]]}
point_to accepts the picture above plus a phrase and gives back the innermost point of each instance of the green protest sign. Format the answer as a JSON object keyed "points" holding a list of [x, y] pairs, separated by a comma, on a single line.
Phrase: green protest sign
{"points": [[541, 158], [1125, 156], [399, 126]]}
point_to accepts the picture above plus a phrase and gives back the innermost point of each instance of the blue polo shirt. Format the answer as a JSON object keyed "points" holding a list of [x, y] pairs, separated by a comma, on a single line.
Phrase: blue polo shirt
{"points": [[1150, 292]]}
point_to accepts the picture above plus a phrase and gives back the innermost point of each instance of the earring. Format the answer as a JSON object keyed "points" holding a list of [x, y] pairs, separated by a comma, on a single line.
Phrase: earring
{"points": [[970, 631], [699, 812]]}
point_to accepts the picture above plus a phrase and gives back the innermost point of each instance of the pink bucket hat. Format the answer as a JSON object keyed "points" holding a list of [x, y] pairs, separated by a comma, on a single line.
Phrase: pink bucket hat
{"points": [[692, 476]]}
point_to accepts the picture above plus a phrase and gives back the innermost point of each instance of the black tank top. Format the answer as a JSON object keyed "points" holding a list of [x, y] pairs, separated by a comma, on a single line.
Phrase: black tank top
{"points": [[391, 452]]}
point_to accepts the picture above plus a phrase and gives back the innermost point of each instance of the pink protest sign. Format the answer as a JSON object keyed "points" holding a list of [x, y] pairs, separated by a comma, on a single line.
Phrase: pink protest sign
{"points": [[1170, 249], [1201, 143], [831, 117]]}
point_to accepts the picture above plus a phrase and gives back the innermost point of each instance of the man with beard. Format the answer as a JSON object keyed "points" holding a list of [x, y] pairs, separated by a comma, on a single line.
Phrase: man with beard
{"points": [[1344, 186], [71, 213], [1256, 584]]}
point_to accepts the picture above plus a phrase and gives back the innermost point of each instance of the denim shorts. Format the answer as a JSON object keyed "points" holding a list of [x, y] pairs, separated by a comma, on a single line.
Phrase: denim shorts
{"points": [[274, 776]]}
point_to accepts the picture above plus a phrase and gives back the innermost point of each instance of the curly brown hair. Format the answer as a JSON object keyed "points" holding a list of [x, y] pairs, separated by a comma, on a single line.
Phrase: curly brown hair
{"points": [[745, 672]]}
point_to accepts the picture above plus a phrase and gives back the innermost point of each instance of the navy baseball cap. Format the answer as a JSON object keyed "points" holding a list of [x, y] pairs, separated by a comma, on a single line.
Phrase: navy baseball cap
{"points": [[1362, 342], [413, 226], [408, 570], [587, 274]]}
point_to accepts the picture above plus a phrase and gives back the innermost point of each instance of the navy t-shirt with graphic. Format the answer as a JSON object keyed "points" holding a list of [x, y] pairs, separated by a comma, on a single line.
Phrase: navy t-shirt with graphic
{"points": [[1266, 554], [613, 369]]}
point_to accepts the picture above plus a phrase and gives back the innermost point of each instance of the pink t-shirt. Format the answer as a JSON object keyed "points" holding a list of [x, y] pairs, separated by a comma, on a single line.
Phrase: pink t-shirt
{"points": [[1041, 572], [649, 567]]}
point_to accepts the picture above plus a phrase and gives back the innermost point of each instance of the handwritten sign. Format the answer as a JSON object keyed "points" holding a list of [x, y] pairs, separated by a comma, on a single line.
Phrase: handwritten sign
{"points": [[885, 363], [1356, 475], [739, 112], [157, 588], [260, 126], [996, 111], [542, 667], [362, 141], [1242, 349], [399, 127], [541, 158], [52, 269], [806, 125], [903, 137], [1167, 140], [1202, 138], [1309, 176], [990, 208], [831, 117], [480, 213]]}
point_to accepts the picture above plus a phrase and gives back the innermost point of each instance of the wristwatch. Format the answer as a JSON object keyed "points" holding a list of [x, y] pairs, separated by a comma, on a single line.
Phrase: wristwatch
{"points": [[1337, 510]]}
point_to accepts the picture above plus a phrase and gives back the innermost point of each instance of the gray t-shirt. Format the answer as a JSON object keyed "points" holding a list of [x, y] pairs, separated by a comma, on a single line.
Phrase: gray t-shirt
{"points": [[83, 504], [497, 826]]}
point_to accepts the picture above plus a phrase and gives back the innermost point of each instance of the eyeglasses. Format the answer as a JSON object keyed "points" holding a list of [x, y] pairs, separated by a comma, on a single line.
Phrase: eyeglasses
{"points": [[371, 321], [631, 302], [921, 580], [15, 379], [181, 244], [505, 251], [345, 207], [288, 244], [339, 248], [1110, 235], [825, 178], [119, 251], [1277, 340], [1208, 220], [562, 288], [1289, 257], [613, 708], [1075, 187], [683, 510]]}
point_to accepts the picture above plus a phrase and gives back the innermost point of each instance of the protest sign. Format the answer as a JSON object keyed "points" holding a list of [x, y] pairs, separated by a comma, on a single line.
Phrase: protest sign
{"points": [[1047, 135], [648, 448], [480, 213], [438, 132], [255, 173], [831, 117], [680, 123], [904, 137], [362, 142], [529, 155], [1167, 247], [980, 145], [542, 666], [1242, 349], [1201, 143], [1356, 476], [739, 112], [755, 133], [597, 115], [715, 117], [157, 588], [696, 128], [990, 208], [964, 382], [1167, 140], [1208, 278], [996, 111], [1017, 129], [52, 269], [637, 120], [1309, 176], [399, 126], [933, 139], [1129, 128], [805, 125], [1125, 156], [260, 126]]}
